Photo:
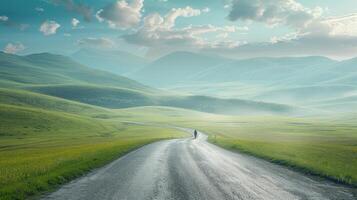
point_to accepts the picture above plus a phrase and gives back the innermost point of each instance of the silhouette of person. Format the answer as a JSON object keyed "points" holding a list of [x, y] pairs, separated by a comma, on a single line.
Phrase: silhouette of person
{"points": [[195, 134]]}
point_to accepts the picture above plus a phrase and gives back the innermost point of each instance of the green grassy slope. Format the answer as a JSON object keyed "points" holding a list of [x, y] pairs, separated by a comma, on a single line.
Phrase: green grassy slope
{"points": [[23, 121], [110, 97], [46, 141], [23, 98]]}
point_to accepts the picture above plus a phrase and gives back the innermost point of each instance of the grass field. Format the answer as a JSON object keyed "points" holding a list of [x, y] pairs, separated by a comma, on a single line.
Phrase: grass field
{"points": [[315, 147], [324, 147], [41, 148]]}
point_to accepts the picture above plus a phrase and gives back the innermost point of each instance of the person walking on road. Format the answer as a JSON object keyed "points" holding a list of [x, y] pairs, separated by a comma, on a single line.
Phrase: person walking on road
{"points": [[195, 134]]}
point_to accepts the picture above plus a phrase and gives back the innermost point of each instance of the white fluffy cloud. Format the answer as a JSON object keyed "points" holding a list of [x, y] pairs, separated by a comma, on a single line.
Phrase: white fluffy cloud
{"points": [[49, 27], [75, 22], [273, 12], [159, 32], [96, 42], [345, 25], [13, 48], [39, 9], [171, 17], [4, 18], [6, 21], [335, 47], [304, 21], [206, 10], [333, 28], [155, 21], [312, 34], [121, 14], [335, 37]]}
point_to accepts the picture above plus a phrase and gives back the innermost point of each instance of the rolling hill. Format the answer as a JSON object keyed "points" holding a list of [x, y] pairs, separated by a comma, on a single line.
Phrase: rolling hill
{"points": [[22, 121], [109, 97], [23, 98], [47, 141], [45, 68]]}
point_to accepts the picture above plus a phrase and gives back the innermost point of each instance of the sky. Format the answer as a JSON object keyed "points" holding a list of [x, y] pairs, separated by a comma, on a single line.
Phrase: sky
{"points": [[152, 28]]}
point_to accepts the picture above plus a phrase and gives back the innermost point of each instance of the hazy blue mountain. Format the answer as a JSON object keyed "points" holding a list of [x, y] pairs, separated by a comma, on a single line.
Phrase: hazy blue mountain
{"points": [[346, 66], [184, 68], [347, 72], [118, 62], [263, 70], [177, 67]]}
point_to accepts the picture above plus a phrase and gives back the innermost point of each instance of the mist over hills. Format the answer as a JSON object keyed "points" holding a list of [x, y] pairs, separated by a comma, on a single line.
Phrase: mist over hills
{"points": [[198, 68], [306, 93], [287, 80]]}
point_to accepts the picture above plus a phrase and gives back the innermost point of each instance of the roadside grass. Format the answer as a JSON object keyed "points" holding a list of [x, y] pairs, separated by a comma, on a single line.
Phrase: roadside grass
{"points": [[313, 147], [320, 146], [41, 149]]}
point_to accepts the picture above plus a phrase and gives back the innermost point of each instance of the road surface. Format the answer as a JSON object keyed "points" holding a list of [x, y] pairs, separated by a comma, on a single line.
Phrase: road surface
{"points": [[185, 169]]}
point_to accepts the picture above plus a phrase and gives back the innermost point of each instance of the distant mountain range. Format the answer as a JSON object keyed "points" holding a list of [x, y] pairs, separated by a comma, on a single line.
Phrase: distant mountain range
{"points": [[183, 67], [288, 80], [176, 68]]}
